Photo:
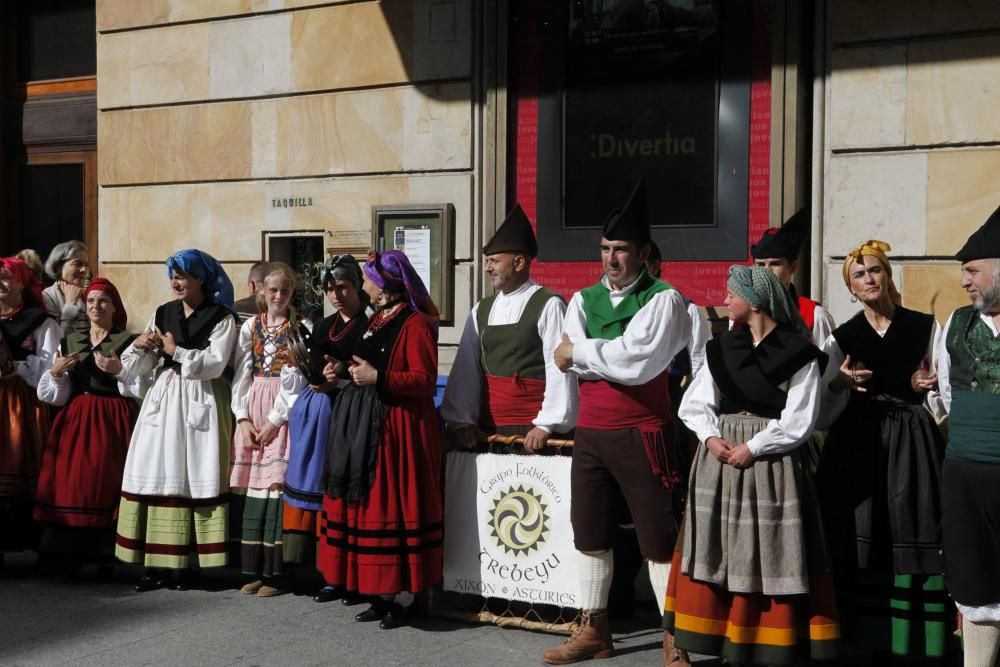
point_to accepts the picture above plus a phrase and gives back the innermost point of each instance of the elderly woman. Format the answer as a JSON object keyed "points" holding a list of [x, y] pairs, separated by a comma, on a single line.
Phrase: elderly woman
{"points": [[68, 267], [80, 481], [382, 513], [29, 339], [881, 468], [173, 511], [750, 579], [331, 341]]}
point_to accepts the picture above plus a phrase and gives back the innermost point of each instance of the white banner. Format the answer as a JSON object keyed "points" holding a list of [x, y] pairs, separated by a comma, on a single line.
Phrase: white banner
{"points": [[507, 532]]}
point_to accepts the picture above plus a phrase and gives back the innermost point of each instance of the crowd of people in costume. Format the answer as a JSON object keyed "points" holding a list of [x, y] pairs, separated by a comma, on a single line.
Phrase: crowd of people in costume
{"points": [[790, 483]]}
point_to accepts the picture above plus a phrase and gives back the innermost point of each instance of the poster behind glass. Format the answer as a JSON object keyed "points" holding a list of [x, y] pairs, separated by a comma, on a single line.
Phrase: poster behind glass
{"points": [[641, 99]]}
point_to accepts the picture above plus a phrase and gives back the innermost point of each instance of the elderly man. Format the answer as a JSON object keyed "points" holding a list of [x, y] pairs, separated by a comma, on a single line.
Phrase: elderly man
{"points": [[968, 369], [504, 379], [778, 250], [620, 337]]}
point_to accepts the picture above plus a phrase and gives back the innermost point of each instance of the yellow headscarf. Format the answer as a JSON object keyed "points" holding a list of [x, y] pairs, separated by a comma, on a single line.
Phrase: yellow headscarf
{"points": [[877, 249]]}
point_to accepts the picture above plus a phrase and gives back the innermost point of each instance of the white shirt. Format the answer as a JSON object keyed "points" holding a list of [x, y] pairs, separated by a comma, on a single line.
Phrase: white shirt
{"points": [[243, 379], [47, 337], [943, 359], [701, 333], [699, 410], [462, 395], [651, 340], [823, 325], [58, 390]]}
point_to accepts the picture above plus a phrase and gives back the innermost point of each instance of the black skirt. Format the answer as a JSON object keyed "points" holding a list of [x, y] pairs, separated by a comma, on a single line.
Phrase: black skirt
{"points": [[880, 481]]}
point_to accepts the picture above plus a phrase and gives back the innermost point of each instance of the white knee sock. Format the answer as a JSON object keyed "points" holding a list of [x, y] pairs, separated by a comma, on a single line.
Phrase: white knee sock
{"points": [[982, 641], [659, 574], [595, 572]]}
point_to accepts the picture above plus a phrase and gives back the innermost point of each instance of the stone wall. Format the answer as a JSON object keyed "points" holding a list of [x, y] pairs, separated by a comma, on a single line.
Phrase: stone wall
{"points": [[911, 139], [211, 110]]}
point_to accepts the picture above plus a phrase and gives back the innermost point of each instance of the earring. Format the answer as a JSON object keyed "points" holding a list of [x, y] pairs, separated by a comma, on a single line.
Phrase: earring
{"points": [[854, 298]]}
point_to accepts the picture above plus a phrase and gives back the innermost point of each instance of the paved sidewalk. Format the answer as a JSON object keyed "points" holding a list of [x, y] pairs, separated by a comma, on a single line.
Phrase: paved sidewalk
{"points": [[45, 621]]}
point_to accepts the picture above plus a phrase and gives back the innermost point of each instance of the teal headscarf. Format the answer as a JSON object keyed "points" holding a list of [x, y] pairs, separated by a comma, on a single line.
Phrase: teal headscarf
{"points": [[759, 287]]}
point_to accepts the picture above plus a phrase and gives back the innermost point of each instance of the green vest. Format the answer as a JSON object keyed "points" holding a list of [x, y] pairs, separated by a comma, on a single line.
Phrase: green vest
{"points": [[509, 350], [86, 377], [974, 418], [609, 322], [974, 352]]}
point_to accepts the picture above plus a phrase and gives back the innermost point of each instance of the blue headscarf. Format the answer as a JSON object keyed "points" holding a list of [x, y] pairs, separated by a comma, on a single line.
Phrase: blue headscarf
{"points": [[204, 267]]}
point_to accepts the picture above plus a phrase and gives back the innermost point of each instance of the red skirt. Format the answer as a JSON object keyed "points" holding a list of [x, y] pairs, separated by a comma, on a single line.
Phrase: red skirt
{"points": [[391, 541], [24, 424], [81, 478]]}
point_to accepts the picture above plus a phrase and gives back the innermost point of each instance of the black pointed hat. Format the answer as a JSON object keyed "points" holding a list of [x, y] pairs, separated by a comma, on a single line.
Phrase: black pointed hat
{"points": [[628, 223], [514, 235], [984, 242], [785, 241]]}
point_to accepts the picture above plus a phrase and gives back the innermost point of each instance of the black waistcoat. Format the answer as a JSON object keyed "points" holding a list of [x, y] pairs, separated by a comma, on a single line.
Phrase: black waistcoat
{"points": [[892, 358], [16, 329], [754, 378], [191, 332]]}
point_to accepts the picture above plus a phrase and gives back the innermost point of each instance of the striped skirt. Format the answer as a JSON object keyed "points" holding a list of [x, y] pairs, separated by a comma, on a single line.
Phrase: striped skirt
{"points": [[256, 527], [750, 579], [157, 531]]}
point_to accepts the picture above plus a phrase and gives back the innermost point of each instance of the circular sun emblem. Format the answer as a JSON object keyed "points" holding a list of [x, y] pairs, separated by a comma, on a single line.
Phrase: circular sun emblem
{"points": [[519, 520]]}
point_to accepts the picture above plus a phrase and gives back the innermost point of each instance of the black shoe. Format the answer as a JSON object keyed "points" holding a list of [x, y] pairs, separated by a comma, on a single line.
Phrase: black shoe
{"points": [[329, 594], [352, 599], [151, 580], [375, 612], [395, 617]]}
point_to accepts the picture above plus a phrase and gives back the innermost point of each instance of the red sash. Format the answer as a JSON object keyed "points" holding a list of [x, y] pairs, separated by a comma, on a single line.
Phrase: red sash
{"points": [[606, 406], [511, 401]]}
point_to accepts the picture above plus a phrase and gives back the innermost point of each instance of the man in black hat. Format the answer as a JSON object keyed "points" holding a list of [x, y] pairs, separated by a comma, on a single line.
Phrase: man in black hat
{"points": [[968, 373], [620, 337], [778, 250], [504, 379]]}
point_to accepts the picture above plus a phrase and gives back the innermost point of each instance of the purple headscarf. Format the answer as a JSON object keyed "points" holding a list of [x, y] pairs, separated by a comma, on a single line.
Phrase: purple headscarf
{"points": [[391, 271]]}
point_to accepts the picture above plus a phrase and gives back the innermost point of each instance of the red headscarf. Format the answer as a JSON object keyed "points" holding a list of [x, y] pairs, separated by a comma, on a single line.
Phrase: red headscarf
{"points": [[104, 285], [22, 273]]}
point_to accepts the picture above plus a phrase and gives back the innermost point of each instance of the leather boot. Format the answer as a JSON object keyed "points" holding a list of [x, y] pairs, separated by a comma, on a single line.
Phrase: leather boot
{"points": [[592, 640], [673, 656]]}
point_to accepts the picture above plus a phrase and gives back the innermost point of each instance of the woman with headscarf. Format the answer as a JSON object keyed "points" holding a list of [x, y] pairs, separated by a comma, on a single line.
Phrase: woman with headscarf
{"points": [[382, 511], [29, 339], [331, 342], [80, 481], [881, 469], [174, 505], [260, 444], [68, 267], [750, 578]]}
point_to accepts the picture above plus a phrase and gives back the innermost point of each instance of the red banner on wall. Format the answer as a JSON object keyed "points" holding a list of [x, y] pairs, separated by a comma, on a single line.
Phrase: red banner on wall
{"points": [[702, 282]]}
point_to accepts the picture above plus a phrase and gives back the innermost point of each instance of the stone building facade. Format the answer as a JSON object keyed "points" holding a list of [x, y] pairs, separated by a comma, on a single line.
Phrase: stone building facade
{"points": [[223, 123]]}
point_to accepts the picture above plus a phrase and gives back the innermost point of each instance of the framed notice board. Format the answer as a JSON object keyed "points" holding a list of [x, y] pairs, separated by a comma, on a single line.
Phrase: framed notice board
{"points": [[425, 233]]}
